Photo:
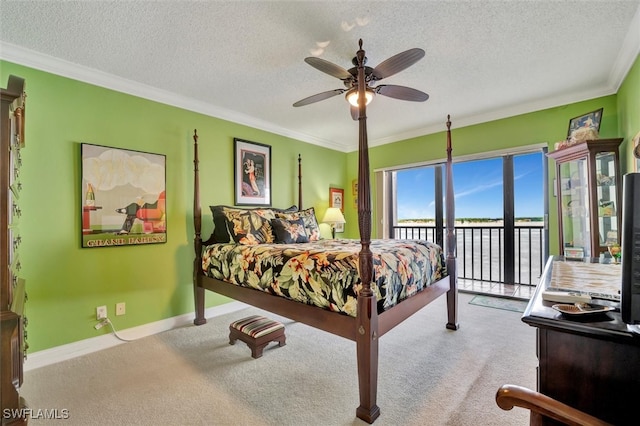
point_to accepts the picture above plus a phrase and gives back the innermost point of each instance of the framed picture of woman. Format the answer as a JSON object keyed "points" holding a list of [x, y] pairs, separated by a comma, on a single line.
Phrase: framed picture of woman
{"points": [[252, 173]]}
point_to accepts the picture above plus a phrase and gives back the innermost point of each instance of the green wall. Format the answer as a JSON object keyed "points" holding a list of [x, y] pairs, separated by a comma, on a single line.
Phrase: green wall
{"points": [[65, 282], [545, 126], [629, 107], [621, 118]]}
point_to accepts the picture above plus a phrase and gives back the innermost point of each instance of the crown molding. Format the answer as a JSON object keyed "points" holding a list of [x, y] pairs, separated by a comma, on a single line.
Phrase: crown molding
{"points": [[63, 68], [465, 121], [629, 51]]}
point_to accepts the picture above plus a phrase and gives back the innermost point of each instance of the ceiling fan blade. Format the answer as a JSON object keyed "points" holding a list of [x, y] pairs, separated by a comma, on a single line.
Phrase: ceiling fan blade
{"points": [[401, 92], [397, 63], [329, 68], [318, 97]]}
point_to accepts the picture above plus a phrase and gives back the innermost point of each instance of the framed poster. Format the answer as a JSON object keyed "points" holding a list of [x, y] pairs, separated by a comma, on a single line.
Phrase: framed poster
{"points": [[252, 173], [123, 195], [336, 199]]}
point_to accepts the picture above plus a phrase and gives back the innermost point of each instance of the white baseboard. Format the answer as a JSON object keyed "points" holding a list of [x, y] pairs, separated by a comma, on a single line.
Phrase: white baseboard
{"points": [[93, 344]]}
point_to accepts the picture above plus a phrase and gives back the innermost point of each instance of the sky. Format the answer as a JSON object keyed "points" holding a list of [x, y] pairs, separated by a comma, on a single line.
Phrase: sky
{"points": [[477, 187]]}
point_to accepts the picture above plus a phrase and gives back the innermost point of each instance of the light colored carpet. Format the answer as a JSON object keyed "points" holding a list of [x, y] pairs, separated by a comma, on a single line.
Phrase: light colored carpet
{"points": [[192, 376]]}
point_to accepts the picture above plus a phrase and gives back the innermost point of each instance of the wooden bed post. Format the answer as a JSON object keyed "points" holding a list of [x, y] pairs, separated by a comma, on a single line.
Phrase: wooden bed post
{"points": [[367, 326], [299, 182], [452, 294], [198, 291], [367, 317]]}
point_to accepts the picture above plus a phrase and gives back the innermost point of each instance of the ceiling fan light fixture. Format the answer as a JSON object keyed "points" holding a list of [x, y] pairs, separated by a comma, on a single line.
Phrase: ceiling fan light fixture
{"points": [[371, 77], [352, 96]]}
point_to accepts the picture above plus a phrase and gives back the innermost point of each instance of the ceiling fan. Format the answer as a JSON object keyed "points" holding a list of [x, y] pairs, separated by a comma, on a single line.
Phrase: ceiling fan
{"points": [[372, 76]]}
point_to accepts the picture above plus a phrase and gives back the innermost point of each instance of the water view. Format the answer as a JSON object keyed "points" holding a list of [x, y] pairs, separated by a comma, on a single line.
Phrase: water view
{"points": [[479, 198]]}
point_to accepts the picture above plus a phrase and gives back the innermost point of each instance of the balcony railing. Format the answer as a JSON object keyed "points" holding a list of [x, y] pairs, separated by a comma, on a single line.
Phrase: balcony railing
{"points": [[480, 251]]}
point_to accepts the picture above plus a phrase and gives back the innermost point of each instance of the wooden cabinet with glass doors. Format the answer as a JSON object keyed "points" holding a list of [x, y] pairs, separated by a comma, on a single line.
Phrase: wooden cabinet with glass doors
{"points": [[588, 193]]}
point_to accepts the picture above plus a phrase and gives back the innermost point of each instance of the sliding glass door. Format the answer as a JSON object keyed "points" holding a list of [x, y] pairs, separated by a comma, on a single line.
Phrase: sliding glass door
{"points": [[500, 212]]}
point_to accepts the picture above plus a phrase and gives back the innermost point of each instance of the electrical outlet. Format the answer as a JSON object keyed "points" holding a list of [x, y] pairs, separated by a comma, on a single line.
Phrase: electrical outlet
{"points": [[120, 308], [101, 312]]}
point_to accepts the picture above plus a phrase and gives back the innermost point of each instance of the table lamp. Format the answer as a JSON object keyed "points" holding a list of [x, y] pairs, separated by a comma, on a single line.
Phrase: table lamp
{"points": [[333, 216]]}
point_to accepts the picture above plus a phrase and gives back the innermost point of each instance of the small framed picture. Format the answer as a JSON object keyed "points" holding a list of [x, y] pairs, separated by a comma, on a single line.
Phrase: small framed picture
{"points": [[589, 120], [354, 190], [336, 198], [252, 173]]}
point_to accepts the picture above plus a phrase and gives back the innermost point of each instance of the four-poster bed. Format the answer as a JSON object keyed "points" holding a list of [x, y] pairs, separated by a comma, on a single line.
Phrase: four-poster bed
{"points": [[369, 321]]}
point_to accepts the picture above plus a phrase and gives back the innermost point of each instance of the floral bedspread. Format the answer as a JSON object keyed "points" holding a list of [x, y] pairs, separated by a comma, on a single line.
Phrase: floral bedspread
{"points": [[325, 273]]}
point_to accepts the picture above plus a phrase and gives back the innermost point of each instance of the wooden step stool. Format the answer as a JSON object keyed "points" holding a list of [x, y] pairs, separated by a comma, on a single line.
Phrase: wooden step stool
{"points": [[257, 331]]}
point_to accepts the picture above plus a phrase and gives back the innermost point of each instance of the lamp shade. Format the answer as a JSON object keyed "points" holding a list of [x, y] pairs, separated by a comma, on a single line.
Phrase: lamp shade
{"points": [[333, 215]]}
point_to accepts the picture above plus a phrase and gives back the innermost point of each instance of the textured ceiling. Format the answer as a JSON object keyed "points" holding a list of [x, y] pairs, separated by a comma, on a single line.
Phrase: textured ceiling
{"points": [[244, 61]]}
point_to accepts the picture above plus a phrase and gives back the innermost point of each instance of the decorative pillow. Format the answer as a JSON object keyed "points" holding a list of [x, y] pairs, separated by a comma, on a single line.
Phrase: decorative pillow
{"points": [[220, 231], [289, 231], [248, 227], [310, 222]]}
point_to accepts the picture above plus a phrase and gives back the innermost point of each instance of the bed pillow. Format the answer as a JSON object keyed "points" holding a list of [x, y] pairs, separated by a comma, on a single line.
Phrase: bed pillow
{"points": [[289, 231], [309, 218], [248, 227], [220, 227], [220, 233]]}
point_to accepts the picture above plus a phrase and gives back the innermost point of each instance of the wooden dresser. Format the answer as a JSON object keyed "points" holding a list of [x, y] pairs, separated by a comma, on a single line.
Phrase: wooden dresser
{"points": [[590, 362], [12, 290]]}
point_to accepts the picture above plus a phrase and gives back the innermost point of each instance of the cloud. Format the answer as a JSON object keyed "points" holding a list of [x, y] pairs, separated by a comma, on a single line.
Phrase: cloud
{"points": [[478, 188], [520, 176], [113, 168]]}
